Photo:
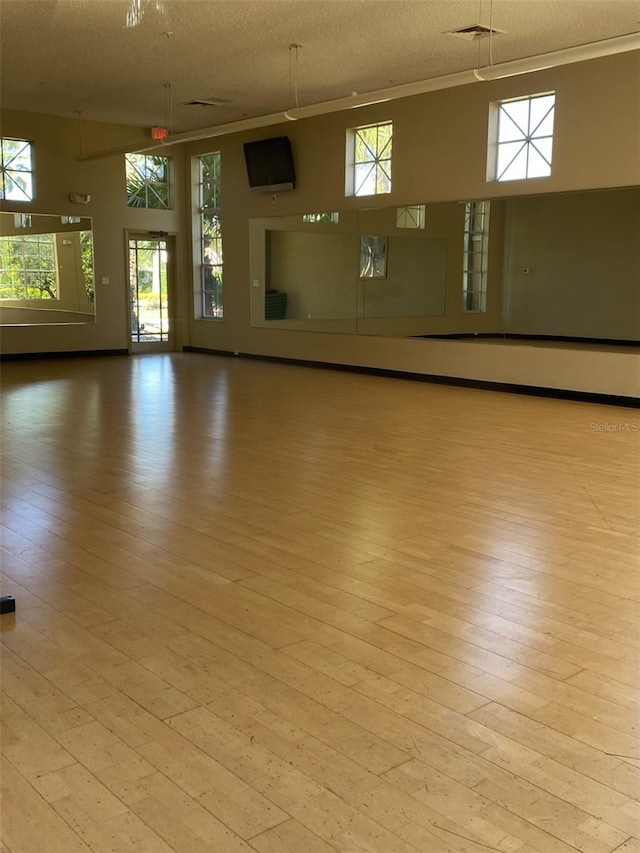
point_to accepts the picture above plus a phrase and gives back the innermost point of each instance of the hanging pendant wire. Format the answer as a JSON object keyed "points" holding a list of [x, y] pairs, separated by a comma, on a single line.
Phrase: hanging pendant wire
{"points": [[293, 73], [168, 106], [490, 32], [490, 60], [80, 134]]}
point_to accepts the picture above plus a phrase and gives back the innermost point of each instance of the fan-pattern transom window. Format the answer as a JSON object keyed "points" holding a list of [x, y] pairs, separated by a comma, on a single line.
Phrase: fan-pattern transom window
{"points": [[373, 256], [16, 170], [369, 153], [147, 181], [411, 216], [525, 138]]}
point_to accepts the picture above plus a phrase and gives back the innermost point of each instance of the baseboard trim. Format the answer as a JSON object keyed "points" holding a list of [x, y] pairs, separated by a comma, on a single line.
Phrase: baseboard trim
{"points": [[32, 356], [514, 336], [434, 379]]}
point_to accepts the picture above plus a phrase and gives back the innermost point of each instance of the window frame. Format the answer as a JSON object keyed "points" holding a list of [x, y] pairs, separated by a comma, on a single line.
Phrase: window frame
{"points": [[411, 216], [475, 257], [376, 161], [148, 184], [201, 266], [47, 266], [326, 218], [496, 112], [29, 194], [374, 251]]}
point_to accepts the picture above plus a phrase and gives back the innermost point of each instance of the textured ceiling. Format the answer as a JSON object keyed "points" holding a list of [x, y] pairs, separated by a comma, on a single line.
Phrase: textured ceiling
{"points": [[65, 56]]}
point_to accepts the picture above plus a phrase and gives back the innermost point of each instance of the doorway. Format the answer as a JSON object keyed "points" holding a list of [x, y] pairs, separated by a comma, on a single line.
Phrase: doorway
{"points": [[150, 293]]}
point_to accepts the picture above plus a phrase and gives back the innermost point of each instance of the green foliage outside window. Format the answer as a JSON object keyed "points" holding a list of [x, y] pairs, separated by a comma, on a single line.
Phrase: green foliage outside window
{"points": [[211, 267], [28, 267], [16, 170], [86, 248], [372, 159], [147, 177], [210, 196]]}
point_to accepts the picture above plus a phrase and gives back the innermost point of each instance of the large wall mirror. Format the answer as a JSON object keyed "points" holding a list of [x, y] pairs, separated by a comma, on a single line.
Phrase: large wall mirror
{"points": [[46, 269], [562, 266]]}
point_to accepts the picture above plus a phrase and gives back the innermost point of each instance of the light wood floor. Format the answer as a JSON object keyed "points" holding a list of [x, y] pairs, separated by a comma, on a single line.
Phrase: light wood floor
{"points": [[275, 609]]}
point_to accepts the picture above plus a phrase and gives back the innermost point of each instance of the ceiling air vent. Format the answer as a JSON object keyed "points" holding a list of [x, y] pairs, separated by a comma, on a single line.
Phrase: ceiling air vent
{"points": [[206, 102], [474, 32]]}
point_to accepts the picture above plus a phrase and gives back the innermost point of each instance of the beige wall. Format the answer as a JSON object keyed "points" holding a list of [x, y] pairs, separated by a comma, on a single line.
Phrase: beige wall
{"points": [[23, 315], [439, 155], [559, 281]]}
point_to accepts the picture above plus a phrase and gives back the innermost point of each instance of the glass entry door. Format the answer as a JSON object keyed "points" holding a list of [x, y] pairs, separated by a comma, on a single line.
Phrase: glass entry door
{"points": [[149, 293]]}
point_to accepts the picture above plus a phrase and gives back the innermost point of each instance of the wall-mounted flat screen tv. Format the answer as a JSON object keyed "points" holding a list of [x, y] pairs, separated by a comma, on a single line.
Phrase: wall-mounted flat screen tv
{"points": [[270, 165]]}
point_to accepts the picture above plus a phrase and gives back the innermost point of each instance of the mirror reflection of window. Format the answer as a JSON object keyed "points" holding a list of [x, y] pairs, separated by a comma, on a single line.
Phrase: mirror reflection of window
{"points": [[22, 220], [533, 267], [332, 218], [28, 267], [475, 256], [373, 256], [46, 269], [411, 216]]}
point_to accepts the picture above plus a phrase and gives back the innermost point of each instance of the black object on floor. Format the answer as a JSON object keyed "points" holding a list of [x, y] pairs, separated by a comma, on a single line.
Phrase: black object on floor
{"points": [[7, 604]]}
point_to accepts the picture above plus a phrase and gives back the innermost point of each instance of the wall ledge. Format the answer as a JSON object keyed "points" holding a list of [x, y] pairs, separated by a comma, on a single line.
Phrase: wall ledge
{"points": [[485, 385]]}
